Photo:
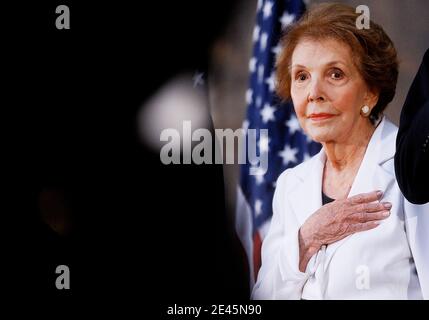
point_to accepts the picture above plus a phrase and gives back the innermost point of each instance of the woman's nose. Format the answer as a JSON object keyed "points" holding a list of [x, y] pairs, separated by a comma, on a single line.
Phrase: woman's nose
{"points": [[315, 92]]}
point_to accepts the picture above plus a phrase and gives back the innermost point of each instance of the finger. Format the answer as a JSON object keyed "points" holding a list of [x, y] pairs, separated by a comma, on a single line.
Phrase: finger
{"points": [[362, 217], [374, 207], [366, 197], [363, 226]]}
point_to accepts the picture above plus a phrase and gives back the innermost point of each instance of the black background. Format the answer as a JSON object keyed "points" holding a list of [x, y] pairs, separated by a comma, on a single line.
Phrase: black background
{"points": [[70, 105]]}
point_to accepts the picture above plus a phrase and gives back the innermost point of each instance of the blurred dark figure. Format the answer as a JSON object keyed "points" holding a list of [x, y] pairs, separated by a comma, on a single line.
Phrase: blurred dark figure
{"points": [[412, 143], [85, 191]]}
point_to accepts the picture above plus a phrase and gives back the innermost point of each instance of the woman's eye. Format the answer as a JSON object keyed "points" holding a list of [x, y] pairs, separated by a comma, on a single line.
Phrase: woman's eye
{"points": [[336, 74], [301, 77]]}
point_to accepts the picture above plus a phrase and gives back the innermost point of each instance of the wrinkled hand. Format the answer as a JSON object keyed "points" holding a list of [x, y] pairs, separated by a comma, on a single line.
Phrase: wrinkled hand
{"points": [[339, 219]]}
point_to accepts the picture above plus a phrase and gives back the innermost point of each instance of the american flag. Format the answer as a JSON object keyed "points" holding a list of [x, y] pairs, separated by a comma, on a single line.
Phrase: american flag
{"points": [[286, 145]]}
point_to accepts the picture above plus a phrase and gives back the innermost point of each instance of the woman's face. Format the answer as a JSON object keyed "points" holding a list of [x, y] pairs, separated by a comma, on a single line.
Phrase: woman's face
{"points": [[327, 90]]}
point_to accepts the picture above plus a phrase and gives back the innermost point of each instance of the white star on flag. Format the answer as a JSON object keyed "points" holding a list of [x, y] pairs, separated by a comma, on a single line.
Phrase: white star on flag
{"points": [[258, 101], [271, 82], [261, 73], [264, 142], [245, 125], [277, 49], [249, 94], [267, 113], [252, 64], [268, 9], [256, 32], [258, 207], [264, 39], [259, 175], [306, 157], [286, 19], [293, 125], [288, 154]]}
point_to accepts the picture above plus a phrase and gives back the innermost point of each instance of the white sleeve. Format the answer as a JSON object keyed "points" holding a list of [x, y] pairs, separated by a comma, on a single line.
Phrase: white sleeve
{"points": [[279, 276], [417, 227]]}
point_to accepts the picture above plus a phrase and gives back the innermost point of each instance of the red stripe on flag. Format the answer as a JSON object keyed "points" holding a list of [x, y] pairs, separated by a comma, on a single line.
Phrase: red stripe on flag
{"points": [[257, 244]]}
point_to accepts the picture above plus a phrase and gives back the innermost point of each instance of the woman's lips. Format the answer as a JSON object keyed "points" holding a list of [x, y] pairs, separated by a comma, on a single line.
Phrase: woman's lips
{"points": [[320, 116]]}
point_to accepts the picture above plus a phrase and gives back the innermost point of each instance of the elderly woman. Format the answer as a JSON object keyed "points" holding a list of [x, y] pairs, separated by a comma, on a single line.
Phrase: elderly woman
{"points": [[329, 238]]}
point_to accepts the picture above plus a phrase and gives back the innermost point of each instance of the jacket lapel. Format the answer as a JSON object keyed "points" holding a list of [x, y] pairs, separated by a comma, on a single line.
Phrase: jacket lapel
{"points": [[306, 198]]}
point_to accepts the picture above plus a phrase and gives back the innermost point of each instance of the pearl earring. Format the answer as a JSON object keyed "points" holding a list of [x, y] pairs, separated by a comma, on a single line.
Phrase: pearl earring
{"points": [[365, 110]]}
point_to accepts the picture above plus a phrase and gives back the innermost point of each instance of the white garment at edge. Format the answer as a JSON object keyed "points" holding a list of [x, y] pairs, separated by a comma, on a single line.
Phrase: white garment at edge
{"points": [[388, 262]]}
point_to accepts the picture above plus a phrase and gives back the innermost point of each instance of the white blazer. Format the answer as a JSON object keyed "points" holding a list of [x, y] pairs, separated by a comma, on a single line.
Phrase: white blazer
{"points": [[388, 262]]}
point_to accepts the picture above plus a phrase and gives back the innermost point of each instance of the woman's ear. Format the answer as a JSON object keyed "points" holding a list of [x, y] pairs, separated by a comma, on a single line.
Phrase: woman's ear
{"points": [[371, 97]]}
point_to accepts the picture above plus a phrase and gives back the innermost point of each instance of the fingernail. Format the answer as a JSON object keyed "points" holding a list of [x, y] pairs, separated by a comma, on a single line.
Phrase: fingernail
{"points": [[379, 193], [386, 213], [387, 205]]}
